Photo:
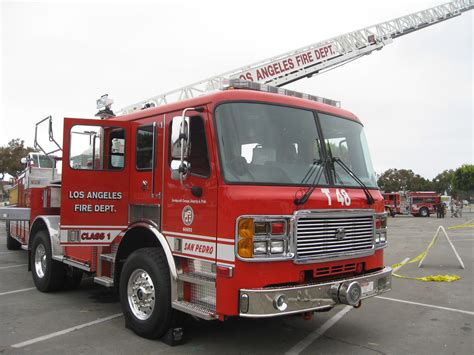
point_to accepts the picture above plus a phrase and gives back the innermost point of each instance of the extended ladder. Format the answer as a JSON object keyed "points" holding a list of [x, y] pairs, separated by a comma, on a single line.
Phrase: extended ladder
{"points": [[315, 58]]}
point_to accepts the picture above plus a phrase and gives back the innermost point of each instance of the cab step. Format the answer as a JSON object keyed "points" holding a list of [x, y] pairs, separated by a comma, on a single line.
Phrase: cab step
{"points": [[104, 281], [198, 279], [108, 257], [195, 310]]}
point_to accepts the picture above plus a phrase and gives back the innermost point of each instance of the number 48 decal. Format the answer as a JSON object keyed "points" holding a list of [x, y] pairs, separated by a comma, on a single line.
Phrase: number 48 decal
{"points": [[341, 195]]}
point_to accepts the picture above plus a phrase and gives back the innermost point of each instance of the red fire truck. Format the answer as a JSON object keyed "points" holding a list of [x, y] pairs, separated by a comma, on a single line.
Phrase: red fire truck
{"points": [[423, 203], [392, 202], [249, 200], [416, 203], [184, 208]]}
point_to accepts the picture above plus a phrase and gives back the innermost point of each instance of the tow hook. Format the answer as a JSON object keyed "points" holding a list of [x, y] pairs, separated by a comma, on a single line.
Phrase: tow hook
{"points": [[348, 293]]}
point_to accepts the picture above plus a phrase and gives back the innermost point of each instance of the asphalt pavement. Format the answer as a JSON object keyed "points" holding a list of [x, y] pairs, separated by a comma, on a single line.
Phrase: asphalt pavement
{"points": [[414, 318]]}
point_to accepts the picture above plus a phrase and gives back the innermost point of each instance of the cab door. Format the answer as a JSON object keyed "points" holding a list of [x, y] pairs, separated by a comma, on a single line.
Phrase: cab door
{"points": [[146, 170], [95, 181], [190, 207]]}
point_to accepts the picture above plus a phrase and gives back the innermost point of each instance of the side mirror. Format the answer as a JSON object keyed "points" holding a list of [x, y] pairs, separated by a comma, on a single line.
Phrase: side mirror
{"points": [[180, 170], [180, 137], [24, 160]]}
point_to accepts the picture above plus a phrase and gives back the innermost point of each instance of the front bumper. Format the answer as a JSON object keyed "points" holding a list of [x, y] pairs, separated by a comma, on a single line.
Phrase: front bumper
{"points": [[264, 302]]}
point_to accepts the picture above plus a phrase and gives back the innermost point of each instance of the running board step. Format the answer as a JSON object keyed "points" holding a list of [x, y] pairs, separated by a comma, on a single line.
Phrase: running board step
{"points": [[104, 281], [198, 279], [194, 310], [108, 257]]}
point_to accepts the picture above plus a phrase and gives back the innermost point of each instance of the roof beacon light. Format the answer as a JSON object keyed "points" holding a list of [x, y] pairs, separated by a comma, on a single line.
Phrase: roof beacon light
{"points": [[230, 84], [104, 102]]}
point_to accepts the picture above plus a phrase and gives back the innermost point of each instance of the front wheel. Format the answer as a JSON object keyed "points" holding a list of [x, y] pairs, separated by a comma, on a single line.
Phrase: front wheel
{"points": [[424, 212], [145, 293], [48, 274]]}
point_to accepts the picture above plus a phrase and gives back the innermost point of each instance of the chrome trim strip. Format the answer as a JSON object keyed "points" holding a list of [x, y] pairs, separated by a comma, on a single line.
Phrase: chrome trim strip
{"points": [[74, 263], [53, 224]]}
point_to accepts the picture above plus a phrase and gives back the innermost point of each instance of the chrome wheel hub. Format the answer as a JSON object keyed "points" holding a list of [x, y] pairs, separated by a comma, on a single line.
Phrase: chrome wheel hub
{"points": [[141, 294], [40, 261]]}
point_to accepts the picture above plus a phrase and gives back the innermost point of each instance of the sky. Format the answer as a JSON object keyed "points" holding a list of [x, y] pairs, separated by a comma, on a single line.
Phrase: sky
{"points": [[414, 97]]}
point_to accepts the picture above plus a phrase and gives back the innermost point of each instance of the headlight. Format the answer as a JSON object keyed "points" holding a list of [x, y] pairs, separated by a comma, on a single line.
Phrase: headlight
{"points": [[381, 230], [259, 248], [263, 238], [277, 246]]}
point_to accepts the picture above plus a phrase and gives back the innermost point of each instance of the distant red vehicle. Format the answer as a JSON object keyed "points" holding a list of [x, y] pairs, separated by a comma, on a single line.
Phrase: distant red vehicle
{"points": [[392, 202], [416, 203], [422, 203]]}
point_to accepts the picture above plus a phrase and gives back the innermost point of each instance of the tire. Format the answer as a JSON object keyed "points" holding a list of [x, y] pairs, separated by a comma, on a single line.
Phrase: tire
{"points": [[424, 212], [48, 274], [12, 243], [147, 270]]}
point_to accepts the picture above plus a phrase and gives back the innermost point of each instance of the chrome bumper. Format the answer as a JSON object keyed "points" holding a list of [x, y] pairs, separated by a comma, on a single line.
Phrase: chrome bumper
{"points": [[267, 302]]}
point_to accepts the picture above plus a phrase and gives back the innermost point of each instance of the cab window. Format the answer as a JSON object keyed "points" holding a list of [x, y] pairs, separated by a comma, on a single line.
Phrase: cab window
{"points": [[97, 148], [144, 148], [198, 156]]}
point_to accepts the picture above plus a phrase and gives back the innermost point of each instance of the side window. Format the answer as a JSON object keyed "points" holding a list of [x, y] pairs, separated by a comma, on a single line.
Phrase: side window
{"points": [[97, 148], [198, 156], [144, 147], [116, 143]]}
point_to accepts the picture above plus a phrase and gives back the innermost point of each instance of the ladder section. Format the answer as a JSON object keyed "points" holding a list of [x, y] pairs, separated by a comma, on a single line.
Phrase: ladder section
{"points": [[317, 57]]}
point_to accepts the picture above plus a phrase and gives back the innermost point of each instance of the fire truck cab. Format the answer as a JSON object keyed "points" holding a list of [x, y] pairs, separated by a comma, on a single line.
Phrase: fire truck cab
{"points": [[237, 203]]}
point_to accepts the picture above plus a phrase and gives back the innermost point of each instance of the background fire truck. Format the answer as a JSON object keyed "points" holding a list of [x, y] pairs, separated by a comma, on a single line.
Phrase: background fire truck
{"points": [[416, 203], [227, 197]]}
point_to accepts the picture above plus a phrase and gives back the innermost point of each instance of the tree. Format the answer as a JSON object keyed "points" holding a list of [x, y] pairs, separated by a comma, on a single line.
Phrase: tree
{"points": [[401, 180], [10, 156], [463, 180], [443, 182]]}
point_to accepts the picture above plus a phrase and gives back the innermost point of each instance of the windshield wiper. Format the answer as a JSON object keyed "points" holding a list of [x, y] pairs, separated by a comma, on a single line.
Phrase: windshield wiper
{"points": [[302, 200], [370, 199]]}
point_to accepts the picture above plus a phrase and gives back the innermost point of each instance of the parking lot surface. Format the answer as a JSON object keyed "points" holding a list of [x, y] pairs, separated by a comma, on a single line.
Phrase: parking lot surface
{"points": [[414, 318]]}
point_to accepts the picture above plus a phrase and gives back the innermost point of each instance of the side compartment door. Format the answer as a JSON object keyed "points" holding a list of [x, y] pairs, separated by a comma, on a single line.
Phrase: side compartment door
{"points": [[95, 181]]}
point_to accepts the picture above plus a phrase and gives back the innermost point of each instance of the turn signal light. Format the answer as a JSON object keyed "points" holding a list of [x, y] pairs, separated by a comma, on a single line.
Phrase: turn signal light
{"points": [[245, 244], [246, 228], [245, 248]]}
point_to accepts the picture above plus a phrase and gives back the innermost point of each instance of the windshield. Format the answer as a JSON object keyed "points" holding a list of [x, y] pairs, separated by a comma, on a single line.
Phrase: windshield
{"points": [[345, 139], [269, 144]]}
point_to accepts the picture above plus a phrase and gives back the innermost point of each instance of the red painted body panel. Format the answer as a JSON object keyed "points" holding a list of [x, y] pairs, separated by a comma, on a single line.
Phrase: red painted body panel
{"points": [[235, 200]]}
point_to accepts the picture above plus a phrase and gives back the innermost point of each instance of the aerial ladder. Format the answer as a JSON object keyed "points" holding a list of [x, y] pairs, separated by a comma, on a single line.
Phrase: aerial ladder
{"points": [[316, 58]]}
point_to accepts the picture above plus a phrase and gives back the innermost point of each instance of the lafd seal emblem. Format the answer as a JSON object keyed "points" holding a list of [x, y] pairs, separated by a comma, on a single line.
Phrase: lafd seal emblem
{"points": [[187, 215]]}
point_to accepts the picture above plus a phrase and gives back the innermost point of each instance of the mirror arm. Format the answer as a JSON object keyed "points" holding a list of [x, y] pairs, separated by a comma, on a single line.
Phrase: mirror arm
{"points": [[182, 136]]}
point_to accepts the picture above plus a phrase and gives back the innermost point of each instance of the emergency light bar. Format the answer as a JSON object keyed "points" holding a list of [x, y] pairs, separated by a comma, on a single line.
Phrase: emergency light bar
{"points": [[229, 84]]}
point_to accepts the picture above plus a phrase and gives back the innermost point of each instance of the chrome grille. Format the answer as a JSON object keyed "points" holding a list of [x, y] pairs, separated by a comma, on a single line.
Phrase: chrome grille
{"points": [[317, 234]]}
